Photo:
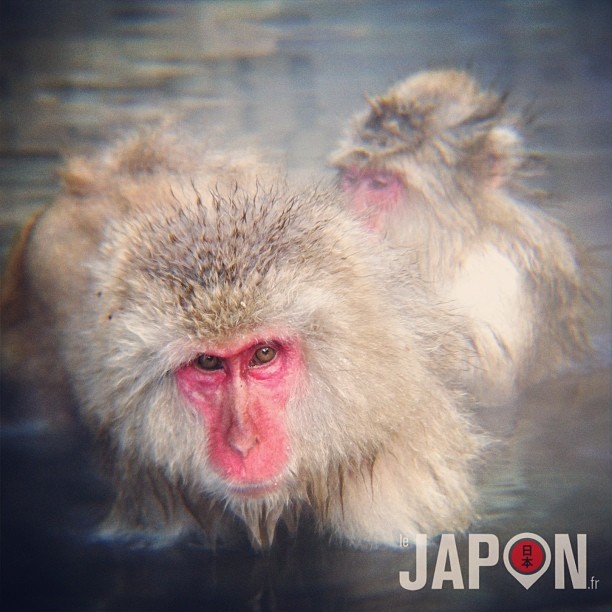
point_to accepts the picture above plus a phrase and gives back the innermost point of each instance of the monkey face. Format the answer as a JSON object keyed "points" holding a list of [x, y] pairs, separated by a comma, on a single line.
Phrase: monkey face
{"points": [[241, 391], [372, 194]]}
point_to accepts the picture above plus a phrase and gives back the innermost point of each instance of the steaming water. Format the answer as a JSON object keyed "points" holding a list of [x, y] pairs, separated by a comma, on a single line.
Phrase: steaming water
{"points": [[288, 75]]}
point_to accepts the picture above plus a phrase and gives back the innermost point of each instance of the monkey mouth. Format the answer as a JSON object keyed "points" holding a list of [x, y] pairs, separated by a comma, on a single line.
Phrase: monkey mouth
{"points": [[254, 489]]}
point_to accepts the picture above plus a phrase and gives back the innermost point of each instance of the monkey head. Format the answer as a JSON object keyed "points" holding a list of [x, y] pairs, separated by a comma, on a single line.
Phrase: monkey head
{"points": [[434, 144]]}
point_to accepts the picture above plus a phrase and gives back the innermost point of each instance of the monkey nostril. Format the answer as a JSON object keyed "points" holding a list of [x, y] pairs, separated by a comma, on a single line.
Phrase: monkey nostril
{"points": [[242, 442]]}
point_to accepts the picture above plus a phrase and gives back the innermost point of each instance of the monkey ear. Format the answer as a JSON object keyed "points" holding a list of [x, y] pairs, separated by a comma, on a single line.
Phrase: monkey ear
{"points": [[498, 156]]}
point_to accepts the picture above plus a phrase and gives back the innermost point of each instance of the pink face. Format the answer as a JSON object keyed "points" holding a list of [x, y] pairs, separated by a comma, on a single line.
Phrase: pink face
{"points": [[373, 194], [242, 392]]}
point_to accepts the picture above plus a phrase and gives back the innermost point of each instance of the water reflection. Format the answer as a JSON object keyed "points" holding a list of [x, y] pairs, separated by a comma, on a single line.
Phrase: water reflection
{"points": [[288, 74]]}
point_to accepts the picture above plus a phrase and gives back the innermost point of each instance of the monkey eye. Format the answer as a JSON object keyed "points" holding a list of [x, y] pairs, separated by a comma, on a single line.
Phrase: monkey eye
{"points": [[349, 179], [379, 181], [263, 355], [209, 363]]}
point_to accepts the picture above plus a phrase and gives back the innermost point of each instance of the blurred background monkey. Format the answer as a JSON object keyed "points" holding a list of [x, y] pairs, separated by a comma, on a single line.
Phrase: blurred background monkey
{"points": [[437, 165], [241, 352]]}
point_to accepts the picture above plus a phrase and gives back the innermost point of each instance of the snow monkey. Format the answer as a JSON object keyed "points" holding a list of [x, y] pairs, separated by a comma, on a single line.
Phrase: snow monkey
{"points": [[243, 352], [437, 164]]}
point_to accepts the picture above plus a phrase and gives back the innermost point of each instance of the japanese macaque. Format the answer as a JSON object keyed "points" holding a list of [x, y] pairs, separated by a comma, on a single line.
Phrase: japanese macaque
{"points": [[242, 352], [437, 165]]}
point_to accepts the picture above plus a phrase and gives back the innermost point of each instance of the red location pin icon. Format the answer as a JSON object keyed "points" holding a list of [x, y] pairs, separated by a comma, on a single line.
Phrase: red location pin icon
{"points": [[527, 557]]}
